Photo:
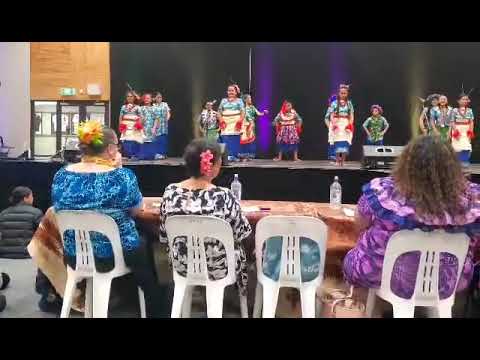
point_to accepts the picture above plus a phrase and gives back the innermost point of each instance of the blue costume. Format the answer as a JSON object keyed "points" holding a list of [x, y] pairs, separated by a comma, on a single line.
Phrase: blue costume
{"points": [[231, 112]]}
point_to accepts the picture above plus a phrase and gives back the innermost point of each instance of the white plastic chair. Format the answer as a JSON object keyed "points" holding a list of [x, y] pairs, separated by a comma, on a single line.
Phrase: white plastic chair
{"points": [[196, 228], [430, 245], [290, 228], [98, 284]]}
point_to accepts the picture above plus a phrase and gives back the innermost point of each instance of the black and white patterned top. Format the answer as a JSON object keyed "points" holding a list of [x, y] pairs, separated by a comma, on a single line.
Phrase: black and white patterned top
{"points": [[219, 202]]}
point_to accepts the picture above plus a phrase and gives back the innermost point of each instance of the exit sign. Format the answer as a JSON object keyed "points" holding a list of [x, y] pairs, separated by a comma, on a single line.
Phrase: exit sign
{"points": [[67, 92]]}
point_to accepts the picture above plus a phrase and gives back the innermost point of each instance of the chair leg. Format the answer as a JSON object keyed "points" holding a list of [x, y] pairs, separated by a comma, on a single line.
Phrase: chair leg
{"points": [[187, 302], [101, 296], [403, 311], [178, 295], [257, 307], [270, 299], [141, 301], [370, 302], [243, 306], [89, 298], [68, 296], [308, 299], [215, 301]]}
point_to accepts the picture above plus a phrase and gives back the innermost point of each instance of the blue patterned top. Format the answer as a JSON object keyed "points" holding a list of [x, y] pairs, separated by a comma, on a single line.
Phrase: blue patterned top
{"points": [[344, 110], [112, 193], [148, 114], [236, 105], [161, 112]]}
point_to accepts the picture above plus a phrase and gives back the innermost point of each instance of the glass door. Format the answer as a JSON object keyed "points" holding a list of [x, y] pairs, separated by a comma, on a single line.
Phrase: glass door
{"points": [[55, 122]]}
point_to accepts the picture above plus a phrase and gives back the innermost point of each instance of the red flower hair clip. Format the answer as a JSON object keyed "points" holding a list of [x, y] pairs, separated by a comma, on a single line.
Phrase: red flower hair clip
{"points": [[206, 164]]}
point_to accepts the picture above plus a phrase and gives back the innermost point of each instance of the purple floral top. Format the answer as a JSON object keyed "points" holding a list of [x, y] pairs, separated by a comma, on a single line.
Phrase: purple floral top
{"points": [[389, 212]]}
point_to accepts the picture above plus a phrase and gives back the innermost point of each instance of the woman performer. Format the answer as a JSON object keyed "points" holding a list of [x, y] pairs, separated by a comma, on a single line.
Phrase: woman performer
{"points": [[148, 114], [160, 129], [131, 127], [248, 146], [331, 148], [441, 118], [341, 115], [231, 113], [288, 125], [424, 121], [462, 129], [209, 122], [376, 126]]}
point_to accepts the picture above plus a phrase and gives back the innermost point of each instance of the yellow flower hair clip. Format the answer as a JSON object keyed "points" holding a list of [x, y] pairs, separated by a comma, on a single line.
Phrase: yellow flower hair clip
{"points": [[91, 133]]}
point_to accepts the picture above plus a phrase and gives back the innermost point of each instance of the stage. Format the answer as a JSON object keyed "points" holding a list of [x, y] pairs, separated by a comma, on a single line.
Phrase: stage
{"points": [[307, 180]]}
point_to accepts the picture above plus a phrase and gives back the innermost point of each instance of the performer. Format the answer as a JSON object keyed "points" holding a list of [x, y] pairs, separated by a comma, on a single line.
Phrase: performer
{"points": [[248, 148], [424, 121], [209, 122], [462, 128], [441, 118], [148, 114], [160, 128], [341, 115], [331, 148], [231, 113], [376, 126], [131, 127], [288, 125]]}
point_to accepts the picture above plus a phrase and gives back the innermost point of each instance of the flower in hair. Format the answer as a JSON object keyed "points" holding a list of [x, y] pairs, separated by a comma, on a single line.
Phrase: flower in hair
{"points": [[206, 164], [378, 107], [91, 133]]}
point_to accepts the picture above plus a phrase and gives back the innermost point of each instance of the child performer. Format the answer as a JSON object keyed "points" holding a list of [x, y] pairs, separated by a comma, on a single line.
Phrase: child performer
{"points": [[441, 118], [288, 125], [231, 113], [429, 106], [248, 146], [131, 127], [148, 114], [209, 122], [331, 148], [462, 129], [160, 129], [375, 126], [341, 124]]}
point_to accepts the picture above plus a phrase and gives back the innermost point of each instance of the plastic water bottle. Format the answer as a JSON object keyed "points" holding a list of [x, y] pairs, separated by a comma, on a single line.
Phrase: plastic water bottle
{"points": [[336, 194], [236, 188]]}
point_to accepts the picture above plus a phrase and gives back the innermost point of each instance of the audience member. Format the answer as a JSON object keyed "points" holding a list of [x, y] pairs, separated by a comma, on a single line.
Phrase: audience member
{"points": [[198, 196], [100, 183], [426, 190]]}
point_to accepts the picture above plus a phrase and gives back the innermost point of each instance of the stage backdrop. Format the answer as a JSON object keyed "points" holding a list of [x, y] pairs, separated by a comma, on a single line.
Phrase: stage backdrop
{"points": [[390, 74]]}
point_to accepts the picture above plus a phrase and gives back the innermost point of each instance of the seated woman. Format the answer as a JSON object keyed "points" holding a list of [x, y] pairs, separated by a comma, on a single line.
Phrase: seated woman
{"points": [[100, 183], [427, 190], [198, 196]]}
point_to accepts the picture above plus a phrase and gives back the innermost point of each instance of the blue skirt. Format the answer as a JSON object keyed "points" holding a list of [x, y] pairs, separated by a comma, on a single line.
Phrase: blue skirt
{"points": [[464, 156], [147, 151], [376, 143], [248, 150], [288, 148], [232, 143], [331, 152], [341, 147], [161, 145], [130, 148]]}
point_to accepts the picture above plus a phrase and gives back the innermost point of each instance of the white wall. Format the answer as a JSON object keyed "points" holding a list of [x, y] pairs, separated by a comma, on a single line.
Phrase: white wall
{"points": [[15, 94]]}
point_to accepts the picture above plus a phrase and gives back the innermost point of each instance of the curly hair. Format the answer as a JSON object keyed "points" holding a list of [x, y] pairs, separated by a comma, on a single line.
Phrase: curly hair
{"points": [[429, 173]]}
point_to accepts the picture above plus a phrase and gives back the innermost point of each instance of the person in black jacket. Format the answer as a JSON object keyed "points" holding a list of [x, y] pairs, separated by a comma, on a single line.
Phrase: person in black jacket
{"points": [[18, 224]]}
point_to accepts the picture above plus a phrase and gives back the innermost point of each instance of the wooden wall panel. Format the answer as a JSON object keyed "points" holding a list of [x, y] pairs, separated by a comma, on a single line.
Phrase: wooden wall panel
{"points": [[69, 64]]}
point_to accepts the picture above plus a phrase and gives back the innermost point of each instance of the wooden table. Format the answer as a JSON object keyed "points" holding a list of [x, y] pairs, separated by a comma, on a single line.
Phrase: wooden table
{"points": [[342, 234]]}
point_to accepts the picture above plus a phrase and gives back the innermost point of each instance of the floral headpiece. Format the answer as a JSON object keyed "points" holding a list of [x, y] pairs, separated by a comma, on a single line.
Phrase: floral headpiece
{"points": [[378, 107], [463, 93], [91, 133], [206, 164]]}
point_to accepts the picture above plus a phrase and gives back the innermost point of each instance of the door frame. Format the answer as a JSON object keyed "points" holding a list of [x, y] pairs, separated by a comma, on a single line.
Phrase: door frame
{"points": [[82, 104]]}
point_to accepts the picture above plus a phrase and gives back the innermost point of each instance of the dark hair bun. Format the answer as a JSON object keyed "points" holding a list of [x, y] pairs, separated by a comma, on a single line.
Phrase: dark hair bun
{"points": [[192, 155]]}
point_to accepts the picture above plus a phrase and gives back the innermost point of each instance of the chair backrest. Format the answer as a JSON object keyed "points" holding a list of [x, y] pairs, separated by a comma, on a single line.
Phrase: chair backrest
{"points": [[196, 229], [430, 245], [82, 223], [291, 229]]}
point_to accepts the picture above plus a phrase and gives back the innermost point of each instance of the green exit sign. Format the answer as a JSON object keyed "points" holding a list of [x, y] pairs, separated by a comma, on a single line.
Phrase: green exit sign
{"points": [[67, 92]]}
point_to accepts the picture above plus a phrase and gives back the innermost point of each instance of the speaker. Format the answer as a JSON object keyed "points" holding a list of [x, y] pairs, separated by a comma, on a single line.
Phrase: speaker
{"points": [[380, 157]]}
